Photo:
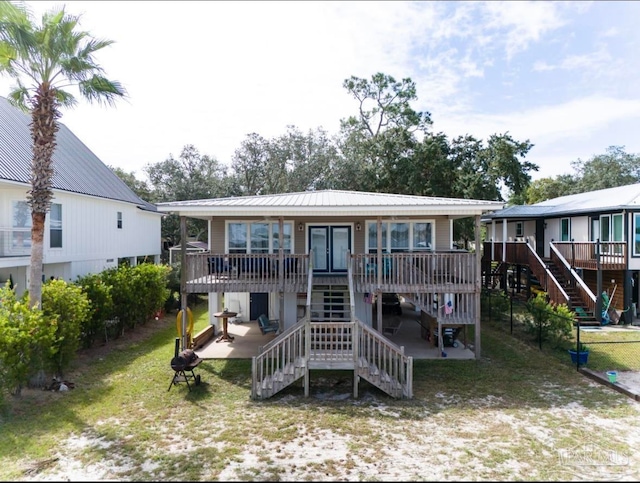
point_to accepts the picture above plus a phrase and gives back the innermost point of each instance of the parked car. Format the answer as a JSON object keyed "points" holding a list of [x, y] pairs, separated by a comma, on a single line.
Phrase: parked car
{"points": [[390, 304]]}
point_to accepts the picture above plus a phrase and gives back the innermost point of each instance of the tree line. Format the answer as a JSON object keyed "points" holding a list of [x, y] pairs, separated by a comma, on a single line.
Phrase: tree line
{"points": [[386, 147]]}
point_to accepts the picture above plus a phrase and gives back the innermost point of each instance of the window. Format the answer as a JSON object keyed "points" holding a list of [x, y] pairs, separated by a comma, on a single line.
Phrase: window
{"points": [[519, 229], [21, 233], [263, 237], [55, 226], [565, 229], [259, 237], [119, 220], [403, 236], [422, 236], [286, 236], [636, 231], [399, 237], [237, 237]]}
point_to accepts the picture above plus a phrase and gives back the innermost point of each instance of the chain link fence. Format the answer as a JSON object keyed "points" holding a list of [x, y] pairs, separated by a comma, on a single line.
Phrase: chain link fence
{"points": [[609, 347]]}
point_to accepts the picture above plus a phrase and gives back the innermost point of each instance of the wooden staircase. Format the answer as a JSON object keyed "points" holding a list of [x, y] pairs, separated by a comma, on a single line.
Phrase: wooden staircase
{"points": [[584, 315], [331, 337]]}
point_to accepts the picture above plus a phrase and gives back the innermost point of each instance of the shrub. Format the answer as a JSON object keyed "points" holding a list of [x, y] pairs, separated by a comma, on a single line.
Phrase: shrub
{"points": [[69, 306], [100, 310], [551, 322], [26, 340]]}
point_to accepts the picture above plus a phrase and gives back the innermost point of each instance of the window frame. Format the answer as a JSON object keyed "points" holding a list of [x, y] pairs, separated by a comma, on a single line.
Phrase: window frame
{"points": [[272, 231], [388, 240], [119, 221], [55, 227]]}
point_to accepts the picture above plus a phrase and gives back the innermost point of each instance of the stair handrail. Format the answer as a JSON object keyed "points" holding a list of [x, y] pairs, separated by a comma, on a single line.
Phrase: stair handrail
{"points": [[352, 303], [281, 353], [550, 275], [573, 273], [404, 374], [309, 283]]}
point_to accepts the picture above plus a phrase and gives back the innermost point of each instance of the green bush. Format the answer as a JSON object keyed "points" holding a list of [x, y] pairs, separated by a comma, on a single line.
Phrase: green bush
{"points": [[151, 286], [69, 306], [497, 301], [26, 340], [101, 307], [137, 292], [551, 322]]}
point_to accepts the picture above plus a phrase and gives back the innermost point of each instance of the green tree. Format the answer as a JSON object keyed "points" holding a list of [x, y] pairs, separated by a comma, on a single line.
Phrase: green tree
{"points": [[613, 168], [45, 59], [190, 177], [378, 143], [548, 188], [249, 163], [139, 187], [302, 161]]}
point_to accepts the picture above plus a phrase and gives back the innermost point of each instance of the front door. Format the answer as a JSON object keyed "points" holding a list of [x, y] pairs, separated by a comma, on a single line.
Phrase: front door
{"points": [[330, 245], [258, 305]]}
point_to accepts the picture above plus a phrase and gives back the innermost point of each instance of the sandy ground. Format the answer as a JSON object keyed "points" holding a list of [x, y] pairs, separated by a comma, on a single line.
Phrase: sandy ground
{"points": [[426, 448]]}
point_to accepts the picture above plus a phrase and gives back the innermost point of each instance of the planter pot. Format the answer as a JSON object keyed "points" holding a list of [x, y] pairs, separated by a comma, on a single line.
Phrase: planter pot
{"points": [[579, 357]]}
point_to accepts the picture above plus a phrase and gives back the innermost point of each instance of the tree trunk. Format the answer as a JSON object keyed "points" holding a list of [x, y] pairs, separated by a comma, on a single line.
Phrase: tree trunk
{"points": [[44, 126], [37, 250]]}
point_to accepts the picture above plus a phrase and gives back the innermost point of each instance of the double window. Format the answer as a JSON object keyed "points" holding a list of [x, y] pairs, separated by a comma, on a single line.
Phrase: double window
{"points": [[401, 236]]}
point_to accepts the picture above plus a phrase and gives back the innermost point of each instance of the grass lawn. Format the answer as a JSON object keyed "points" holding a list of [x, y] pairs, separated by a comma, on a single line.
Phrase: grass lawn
{"points": [[516, 414]]}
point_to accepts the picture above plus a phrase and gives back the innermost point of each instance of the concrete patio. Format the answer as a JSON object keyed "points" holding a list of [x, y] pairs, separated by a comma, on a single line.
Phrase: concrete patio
{"points": [[248, 339]]}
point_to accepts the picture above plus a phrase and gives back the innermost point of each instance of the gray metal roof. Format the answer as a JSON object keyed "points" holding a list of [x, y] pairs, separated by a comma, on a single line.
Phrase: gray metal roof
{"points": [[606, 200], [329, 202], [76, 168]]}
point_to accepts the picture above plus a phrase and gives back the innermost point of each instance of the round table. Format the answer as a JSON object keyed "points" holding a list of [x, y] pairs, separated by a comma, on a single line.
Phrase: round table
{"points": [[224, 316]]}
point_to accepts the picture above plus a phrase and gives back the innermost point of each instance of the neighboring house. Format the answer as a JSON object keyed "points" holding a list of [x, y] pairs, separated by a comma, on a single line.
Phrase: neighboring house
{"points": [[317, 260], [576, 246], [95, 219], [194, 246]]}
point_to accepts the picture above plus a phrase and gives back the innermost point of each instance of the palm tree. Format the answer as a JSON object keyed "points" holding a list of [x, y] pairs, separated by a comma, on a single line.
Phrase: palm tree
{"points": [[45, 60]]}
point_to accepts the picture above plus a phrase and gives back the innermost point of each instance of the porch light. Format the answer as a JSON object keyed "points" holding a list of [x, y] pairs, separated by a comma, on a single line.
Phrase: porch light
{"points": [[358, 226], [300, 227]]}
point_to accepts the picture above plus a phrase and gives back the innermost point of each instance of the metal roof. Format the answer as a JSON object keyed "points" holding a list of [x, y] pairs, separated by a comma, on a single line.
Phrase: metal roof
{"points": [[606, 200], [329, 202], [76, 168]]}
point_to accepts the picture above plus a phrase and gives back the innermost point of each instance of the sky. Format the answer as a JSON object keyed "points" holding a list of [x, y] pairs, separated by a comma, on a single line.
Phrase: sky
{"points": [[561, 75]]}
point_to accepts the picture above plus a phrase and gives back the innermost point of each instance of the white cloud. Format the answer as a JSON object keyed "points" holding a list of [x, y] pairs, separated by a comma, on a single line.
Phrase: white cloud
{"points": [[209, 73]]}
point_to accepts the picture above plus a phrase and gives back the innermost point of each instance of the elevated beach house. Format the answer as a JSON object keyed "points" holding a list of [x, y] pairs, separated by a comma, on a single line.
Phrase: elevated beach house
{"points": [[95, 219], [581, 249], [316, 261]]}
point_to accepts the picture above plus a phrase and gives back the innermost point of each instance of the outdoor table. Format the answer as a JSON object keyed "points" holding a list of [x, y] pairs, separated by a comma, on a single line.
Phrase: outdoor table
{"points": [[224, 316]]}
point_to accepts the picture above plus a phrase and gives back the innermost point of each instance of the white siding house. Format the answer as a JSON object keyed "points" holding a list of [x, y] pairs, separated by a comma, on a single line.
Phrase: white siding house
{"points": [[95, 219]]}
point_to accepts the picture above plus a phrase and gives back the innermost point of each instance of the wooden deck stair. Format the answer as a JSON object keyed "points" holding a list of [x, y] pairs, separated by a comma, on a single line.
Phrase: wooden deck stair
{"points": [[333, 339], [584, 316]]}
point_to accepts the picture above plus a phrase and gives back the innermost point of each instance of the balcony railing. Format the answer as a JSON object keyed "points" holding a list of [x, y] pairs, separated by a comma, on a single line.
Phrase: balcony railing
{"points": [[15, 242], [400, 272], [613, 255]]}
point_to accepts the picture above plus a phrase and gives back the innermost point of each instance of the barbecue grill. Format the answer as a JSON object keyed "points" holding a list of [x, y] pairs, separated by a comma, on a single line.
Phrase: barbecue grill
{"points": [[183, 364]]}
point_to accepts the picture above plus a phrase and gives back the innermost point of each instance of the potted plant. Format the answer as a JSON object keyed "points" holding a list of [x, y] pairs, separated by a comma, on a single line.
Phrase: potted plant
{"points": [[579, 356]]}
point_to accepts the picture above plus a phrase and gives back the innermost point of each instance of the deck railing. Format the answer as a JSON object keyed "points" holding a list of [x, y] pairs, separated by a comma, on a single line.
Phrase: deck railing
{"points": [[613, 255], [415, 269], [404, 272]]}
